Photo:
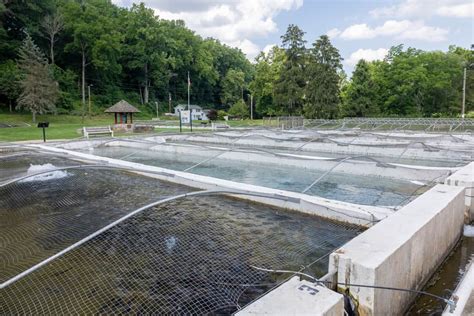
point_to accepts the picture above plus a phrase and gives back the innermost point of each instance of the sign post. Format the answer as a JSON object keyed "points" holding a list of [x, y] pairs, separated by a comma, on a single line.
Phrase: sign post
{"points": [[43, 125], [191, 119]]}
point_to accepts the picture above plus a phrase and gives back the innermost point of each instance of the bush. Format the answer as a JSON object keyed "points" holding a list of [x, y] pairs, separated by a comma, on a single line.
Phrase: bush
{"points": [[212, 115], [221, 114], [239, 109], [470, 114]]}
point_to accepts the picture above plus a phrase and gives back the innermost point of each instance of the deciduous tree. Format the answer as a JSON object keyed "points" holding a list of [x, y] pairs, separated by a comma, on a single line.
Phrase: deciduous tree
{"points": [[52, 25]]}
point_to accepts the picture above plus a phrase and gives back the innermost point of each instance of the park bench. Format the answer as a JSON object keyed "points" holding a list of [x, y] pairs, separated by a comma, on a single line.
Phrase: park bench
{"points": [[216, 126], [102, 130]]}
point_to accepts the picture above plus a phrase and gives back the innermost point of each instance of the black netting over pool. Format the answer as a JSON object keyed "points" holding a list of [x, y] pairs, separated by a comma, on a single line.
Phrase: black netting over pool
{"points": [[189, 256]]}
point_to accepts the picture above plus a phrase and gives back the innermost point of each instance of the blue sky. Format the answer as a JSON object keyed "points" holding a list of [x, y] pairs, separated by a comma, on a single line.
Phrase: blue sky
{"points": [[358, 28]]}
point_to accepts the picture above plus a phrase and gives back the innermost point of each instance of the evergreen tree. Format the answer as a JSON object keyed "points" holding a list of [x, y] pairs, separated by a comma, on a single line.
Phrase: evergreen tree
{"points": [[9, 82], [39, 91], [322, 96], [289, 89], [360, 99]]}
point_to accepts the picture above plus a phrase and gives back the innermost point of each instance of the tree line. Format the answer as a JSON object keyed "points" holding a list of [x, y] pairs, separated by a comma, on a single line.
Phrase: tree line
{"points": [[117, 53], [53, 52], [293, 79]]}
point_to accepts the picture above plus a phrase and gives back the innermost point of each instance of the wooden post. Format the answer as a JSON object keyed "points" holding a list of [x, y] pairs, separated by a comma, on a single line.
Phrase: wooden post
{"points": [[131, 118], [115, 114]]}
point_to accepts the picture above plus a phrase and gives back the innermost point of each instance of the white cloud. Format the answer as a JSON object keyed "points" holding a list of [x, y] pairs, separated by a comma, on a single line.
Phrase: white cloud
{"points": [[236, 23], [425, 8], [268, 48], [366, 54], [332, 33], [403, 29], [460, 11]]}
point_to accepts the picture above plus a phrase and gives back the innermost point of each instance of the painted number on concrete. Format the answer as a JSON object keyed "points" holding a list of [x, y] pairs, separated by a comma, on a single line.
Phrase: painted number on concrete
{"points": [[309, 289]]}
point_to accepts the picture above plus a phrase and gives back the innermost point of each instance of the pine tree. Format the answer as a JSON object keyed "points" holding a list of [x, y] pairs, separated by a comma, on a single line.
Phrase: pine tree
{"points": [[289, 89], [360, 98], [322, 91], [39, 90]]}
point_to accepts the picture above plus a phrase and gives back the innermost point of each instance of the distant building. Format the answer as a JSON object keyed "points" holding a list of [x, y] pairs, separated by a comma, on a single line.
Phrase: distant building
{"points": [[197, 111]]}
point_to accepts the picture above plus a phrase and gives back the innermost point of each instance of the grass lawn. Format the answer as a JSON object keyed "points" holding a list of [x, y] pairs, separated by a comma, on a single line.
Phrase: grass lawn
{"points": [[60, 126]]}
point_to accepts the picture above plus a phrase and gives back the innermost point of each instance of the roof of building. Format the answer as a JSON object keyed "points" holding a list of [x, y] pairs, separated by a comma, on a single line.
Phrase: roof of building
{"points": [[192, 106], [122, 107]]}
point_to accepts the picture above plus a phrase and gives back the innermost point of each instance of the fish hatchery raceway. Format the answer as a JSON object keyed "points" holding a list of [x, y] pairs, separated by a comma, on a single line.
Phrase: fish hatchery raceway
{"points": [[242, 221]]}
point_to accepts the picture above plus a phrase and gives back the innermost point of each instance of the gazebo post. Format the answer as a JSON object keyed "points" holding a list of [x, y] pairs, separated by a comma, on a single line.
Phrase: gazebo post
{"points": [[131, 118], [115, 118]]}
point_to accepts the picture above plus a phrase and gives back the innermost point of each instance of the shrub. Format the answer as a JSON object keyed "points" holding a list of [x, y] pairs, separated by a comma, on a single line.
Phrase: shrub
{"points": [[212, 115], [221, 114], [239, 109]]}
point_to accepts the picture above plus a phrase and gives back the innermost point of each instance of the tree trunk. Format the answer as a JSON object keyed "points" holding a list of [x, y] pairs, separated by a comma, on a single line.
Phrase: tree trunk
{"points": [[52, 49], [83, 88], [145, 91], [10, 105], [34, 116]]}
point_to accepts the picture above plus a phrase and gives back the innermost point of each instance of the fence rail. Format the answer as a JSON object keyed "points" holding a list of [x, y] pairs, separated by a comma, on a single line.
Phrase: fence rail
{"points": [[428, 124], [284, 122]]}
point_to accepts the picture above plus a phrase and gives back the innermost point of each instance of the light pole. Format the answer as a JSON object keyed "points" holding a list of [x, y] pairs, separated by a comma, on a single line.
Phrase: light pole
{"points": [[169, 102], [189, 92], [463, 110], [251, 106], [89, 94]]}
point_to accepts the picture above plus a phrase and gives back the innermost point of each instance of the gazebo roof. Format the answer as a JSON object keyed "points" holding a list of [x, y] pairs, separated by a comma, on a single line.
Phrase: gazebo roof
{"points": [[122, 107]]}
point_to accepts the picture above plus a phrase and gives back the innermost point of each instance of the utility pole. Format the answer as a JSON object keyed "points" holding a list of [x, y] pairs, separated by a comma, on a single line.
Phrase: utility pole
{"points": [[169, 102], [189, 87], [89, 94], [466, 68], [157, 113], [464, 94]]}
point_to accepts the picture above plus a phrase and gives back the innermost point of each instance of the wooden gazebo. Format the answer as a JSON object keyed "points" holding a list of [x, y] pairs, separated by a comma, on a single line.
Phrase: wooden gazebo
{"points": [[121, 110]]}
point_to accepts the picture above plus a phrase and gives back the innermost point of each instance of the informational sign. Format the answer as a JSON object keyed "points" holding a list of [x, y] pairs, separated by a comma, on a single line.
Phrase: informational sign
{"points": [[185, 117]]}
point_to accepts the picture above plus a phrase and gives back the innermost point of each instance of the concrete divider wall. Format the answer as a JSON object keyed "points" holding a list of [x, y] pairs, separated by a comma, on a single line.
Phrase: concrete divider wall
{"points": [[402, 251], [297, 297], [465, 178]]}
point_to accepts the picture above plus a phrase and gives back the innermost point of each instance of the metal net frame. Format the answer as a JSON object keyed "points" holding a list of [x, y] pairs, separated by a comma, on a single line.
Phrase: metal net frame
{"points": [[395, 124], [173, 258], [295, 142]]}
